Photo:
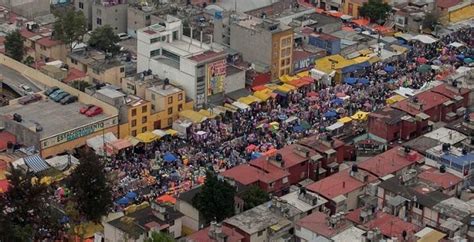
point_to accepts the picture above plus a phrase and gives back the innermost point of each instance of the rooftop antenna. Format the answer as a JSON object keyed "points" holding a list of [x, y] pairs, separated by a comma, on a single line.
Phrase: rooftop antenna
{"points": [[235, 5]]}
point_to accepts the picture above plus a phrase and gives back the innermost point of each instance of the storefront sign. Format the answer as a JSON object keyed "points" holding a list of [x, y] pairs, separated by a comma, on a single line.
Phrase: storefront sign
{"points": [[215, 76], [78, 133], [304, 64]]}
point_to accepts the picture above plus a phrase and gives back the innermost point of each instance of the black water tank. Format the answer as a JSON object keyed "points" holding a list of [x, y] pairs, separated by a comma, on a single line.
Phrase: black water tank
{"points": [[442, 169], [17, 117]]}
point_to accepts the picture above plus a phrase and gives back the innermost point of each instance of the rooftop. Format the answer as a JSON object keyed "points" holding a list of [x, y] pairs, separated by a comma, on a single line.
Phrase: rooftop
{"points": [[164, 90], [445, 180], [427, 100], [421, 144], [388, 115], [295, 154], [303, 201], [447, 3], [111, 93], [450, 91], [272, 172], [338, 184], [5, 138], [448, 136], [455, 208], [188, 196], [207, 55], [257, 219], [317, 223], [389, 225], [390, 162], [53, 117], [203, 235], [350, 234]]}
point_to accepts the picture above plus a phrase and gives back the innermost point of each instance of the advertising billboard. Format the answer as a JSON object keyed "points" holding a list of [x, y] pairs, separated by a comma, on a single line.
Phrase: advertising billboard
{"points": [[215, 76]]}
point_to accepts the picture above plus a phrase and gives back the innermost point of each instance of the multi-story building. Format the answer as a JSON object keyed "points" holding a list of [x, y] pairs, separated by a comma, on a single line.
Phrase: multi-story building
{"points": [[85, 6], [199, 68], [94, 64], [140, 16], [251, 37], [40, 44], [168, 101], [110, 12], [28, 8]]}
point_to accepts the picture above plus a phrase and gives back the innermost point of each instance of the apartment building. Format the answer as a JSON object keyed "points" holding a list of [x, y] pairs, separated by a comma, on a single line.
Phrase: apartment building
{"points": [[40, 44], [140, 16], [109, 12]]}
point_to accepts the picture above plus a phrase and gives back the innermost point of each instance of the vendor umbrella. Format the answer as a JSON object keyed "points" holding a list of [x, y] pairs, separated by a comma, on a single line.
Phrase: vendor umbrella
{"points": [[298, 129], [282, 117], [305, 125], [123, 201], [251, 148], [337, 101], [460, 57], [350, 80], [363, 81], [389, 69], [312, 94], [421, 60], [255, 155], [131, 195], [468, 60], [168, 157], [424, 68], [437, 62], [330, 114]]}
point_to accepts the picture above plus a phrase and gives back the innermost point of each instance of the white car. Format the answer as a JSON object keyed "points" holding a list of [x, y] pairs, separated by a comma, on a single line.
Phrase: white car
{"points": [[26, 88], [124, 36]]}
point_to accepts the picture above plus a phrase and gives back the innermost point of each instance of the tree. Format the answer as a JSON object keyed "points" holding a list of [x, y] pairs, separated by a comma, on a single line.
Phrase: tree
{"points": [[29, 61], [375, 10], [80, 85], [104, 39], [160, 237], [215, 201], [14, 47], [89, 188], [431, 20], [25, 213], [254, 196], [70, 27]]}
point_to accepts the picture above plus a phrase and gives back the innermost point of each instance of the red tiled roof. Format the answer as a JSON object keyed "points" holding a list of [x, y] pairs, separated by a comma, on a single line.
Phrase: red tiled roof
{"points": [[74, 74], [444, 90], [314, 143], [48, 42], [206, 55], [271, 172], [244, 174], [301, 54], [340, 183], [149, 31], [6, 137], [203, 236], [291, 158], [444, 180], [3, 185], [389, 225], [389, 162], [316, 222], [27, 34], [429, 100], [447, 3]]}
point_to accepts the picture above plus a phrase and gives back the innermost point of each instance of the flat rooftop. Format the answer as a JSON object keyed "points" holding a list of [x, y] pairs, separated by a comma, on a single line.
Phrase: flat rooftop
{"points": [[448, 136], [166, 91], [53, 117]]}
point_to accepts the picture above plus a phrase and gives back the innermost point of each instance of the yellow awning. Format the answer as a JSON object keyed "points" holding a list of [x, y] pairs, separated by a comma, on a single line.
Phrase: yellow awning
{"points": [[365, 52], [171, 132], [432, 236], [286, 88], [147, 137], [271, 86], [194, 116], [263, 95], [303, 74], [360, 116], [394, 99], [287, 78], [249, 99], [207, 113], [133, 140], [345, 120]]}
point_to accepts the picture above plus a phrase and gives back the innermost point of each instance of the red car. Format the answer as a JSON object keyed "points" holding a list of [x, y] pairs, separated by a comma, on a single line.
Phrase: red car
{"points": [[86, 108], [94, 111]]}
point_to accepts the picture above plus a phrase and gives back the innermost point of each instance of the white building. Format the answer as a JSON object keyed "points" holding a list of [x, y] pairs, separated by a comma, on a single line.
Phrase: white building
{"points": [[199, 68]]}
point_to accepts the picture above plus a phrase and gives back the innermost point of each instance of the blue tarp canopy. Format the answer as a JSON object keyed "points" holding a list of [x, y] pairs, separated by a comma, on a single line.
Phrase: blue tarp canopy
{"points": [[363, 81], [255, 155], [330, 114], [131, 195], [460, 57], [389, 69], [169, 157], [337, 101], [282, 117], [123, 201], [355, 67], [350, 80], [298, 129], [36, 163]]}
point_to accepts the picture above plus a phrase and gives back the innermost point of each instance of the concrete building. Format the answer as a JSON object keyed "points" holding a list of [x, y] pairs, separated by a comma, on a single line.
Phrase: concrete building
{"points": [[85, 6], [198, 68], [28, 8], [52, 128], [168, 101], [110, 12], [140, 16], [215, 232], [251, 37], [138, 222], [97, 67], [192, 220], [319, 226], [41, 46]]}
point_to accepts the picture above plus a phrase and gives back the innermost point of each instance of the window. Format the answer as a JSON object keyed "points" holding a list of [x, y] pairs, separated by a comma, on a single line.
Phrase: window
{"points": [[271, 184], [98, 12], [180, 107], [170, 110], [260, 233], [144, 109], [153, 107], [74, 61], [154, 40], [175, 35], [81, 5], [153, 96], [282, 63], [170, 100], [143, 129], [154, 52], [303, 175], [122, 69], [144, 119], [134, 123], [180, 97], [134, 133], [171, 55], [147, 17], [99, 21], [170, 121], [134, 112], [285, 180], [287, 62]]}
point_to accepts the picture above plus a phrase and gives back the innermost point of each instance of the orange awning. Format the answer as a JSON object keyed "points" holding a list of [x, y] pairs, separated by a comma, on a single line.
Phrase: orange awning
{"points": [[361, 22], [166, 199], [258, 88], [319, 10], [336, 14]]}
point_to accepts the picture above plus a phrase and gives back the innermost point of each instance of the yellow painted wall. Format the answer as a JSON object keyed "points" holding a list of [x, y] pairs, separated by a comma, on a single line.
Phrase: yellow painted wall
{"points": [[355, 8], [461, 14], [57, 52], [112, 75], [279, 45], [142, 120]]}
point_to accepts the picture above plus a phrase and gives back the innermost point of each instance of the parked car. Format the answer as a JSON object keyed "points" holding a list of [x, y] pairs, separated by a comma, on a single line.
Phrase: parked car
{"points": [[69, 99], [60, 96], [124, 36], [94, 111], [29, 99], [86, 108], [50, 90], [54, 94], [26, 88]]}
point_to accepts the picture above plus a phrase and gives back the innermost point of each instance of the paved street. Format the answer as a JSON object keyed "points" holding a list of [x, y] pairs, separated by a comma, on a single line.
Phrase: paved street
{"points": [[14, 79]]}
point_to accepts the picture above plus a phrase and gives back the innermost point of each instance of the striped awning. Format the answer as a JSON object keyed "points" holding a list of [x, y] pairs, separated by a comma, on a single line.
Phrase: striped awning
{"points": [[36, 163]]}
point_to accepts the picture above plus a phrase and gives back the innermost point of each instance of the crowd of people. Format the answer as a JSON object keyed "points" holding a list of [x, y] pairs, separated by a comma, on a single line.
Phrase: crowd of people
{"points": [[236, 137]]}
